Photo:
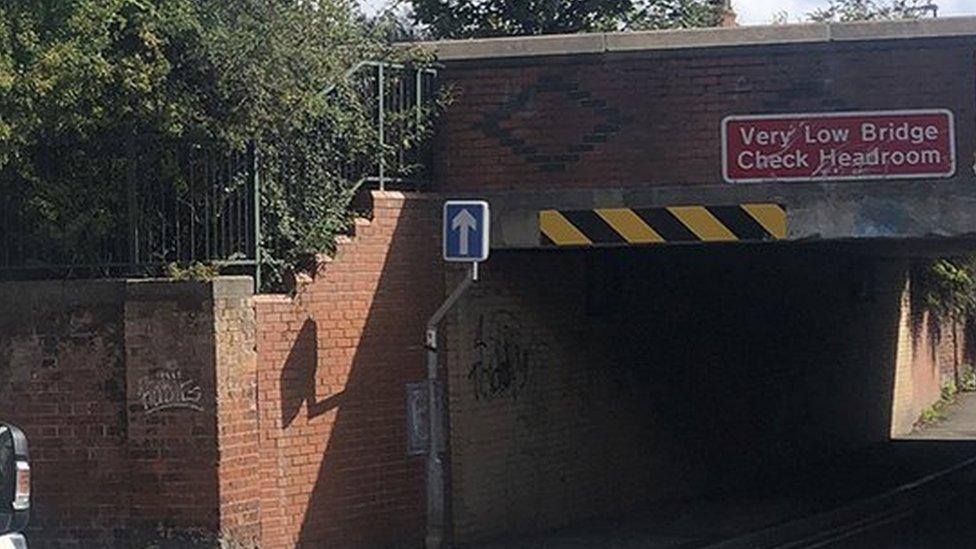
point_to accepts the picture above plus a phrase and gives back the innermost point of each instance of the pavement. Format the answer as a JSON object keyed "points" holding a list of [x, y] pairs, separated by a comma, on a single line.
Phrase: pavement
{"points": [[960, 422]]}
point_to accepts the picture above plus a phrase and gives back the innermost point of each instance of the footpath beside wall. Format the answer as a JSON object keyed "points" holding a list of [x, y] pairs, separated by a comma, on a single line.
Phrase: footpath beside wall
{"points": [[333, 362], [134, 395]]}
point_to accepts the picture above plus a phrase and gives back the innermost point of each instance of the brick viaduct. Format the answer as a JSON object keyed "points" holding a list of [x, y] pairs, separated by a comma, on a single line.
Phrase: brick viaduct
{"points": [[581, 381]]}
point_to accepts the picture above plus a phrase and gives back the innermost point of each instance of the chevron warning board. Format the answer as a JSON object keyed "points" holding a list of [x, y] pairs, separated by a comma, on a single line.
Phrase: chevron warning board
{"points": [[686, 223]]}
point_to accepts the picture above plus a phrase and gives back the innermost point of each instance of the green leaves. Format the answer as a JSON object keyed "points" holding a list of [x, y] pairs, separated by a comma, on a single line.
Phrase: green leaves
{"points": [[479, 18], [949, 286], [871, 10], [83, 81]]}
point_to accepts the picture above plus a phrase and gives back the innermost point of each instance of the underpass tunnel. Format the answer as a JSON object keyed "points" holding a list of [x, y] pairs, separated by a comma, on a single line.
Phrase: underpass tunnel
{"points": [[735, 326], [590, 382]]}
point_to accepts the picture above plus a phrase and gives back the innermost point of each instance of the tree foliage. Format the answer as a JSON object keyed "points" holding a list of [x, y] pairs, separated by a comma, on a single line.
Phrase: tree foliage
{"points": [[872, 10], [949, 287], [82, 79], [394, 24], [229, 69], [483, 18]]}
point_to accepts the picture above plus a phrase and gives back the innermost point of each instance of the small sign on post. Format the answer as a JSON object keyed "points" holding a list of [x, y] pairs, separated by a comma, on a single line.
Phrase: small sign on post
{"points": [[465, 230]]}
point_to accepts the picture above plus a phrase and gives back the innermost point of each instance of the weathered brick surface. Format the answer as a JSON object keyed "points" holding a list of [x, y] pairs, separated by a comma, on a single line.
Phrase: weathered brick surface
{"points": [[653, 118], [62, 379], [954, 351], [238, 435], [171, 438], [332, 364], [121, 388], [582, 383]]}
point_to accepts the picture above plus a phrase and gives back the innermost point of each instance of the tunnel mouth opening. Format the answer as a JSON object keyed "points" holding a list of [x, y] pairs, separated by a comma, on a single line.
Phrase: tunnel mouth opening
{"points": [[684, 377]]}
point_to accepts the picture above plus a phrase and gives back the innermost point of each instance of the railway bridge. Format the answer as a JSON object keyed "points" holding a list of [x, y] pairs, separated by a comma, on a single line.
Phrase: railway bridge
{"points": [[704, 248], [705, 286]]}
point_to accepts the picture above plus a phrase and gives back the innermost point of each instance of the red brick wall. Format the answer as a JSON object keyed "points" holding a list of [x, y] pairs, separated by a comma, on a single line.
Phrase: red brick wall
{"points": [[653, 118], [291, 424], [238, 434], [62, 379], [953, 350], [169, 330], [333, 361], [585, 383], [135, 396]]}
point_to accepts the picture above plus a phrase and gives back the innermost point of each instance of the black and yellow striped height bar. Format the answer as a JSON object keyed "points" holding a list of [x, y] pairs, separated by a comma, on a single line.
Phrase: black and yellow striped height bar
{"points": [[690, 223]]}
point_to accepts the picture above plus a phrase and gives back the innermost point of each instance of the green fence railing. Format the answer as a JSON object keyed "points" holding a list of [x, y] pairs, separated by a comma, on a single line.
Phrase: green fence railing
{"points": [[148, 201]]}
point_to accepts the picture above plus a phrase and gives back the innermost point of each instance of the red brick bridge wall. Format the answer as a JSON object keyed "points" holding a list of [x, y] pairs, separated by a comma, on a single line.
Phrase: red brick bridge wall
{"points": [[333, 362], [652, 118], [137, 398]]}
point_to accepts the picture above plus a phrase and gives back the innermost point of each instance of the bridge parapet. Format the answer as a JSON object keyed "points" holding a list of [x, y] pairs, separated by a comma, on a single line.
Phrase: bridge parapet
{"points": [[635, 121]]}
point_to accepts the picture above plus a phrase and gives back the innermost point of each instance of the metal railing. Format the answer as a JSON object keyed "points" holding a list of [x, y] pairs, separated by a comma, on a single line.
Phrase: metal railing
{"points": [[165, 200], [398, 96], [161, 201]]}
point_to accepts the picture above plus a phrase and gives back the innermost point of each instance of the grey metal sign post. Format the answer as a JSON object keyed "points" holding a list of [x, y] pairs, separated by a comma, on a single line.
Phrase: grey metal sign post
{"points": [[465, 230]]}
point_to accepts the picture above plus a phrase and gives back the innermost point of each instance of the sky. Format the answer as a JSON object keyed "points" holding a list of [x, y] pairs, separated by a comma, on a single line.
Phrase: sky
{"points": [[759, 12]]}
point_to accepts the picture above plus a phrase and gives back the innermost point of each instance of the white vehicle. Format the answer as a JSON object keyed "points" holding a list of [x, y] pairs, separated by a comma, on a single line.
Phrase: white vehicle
{"points": [[14, 487]]}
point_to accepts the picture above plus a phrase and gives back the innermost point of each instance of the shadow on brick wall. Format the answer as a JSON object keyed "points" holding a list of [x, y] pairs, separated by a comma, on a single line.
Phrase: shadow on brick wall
{"points": [[353, 340], [368, 491], [298, 378]]}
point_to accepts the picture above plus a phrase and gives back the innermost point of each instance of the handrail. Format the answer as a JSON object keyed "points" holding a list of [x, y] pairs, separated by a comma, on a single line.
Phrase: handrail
{"points": [[382, 68]]}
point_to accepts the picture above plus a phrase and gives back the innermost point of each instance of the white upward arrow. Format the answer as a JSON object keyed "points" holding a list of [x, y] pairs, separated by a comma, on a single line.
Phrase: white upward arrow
{"points": [[466, 223]]}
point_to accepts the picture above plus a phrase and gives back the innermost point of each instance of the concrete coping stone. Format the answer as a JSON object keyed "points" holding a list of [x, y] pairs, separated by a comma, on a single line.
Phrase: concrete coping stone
{"points": [[273, 298], [400, 195], [163, 289], [570, 44], [233, 286]]}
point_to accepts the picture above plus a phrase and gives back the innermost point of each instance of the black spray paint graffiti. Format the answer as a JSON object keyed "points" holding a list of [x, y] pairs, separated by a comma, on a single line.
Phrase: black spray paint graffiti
{"points": [[503, 357]]}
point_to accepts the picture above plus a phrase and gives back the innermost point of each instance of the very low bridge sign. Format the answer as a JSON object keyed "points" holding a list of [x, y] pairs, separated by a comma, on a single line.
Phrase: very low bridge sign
{"points": [[838, 146]]}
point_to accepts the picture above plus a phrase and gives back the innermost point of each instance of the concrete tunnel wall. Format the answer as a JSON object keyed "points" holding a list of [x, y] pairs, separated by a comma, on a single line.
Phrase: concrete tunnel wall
{"points": [[583, 383]]}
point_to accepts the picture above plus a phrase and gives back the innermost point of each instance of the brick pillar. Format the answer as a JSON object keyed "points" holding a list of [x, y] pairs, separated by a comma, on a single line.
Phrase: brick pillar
{"points": [[172, 439], [237, 411], [192, 414]]}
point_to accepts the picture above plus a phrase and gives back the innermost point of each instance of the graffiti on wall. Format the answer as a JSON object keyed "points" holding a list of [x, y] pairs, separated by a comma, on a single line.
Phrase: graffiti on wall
{"points": [[504, 357], [168, 389]]}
